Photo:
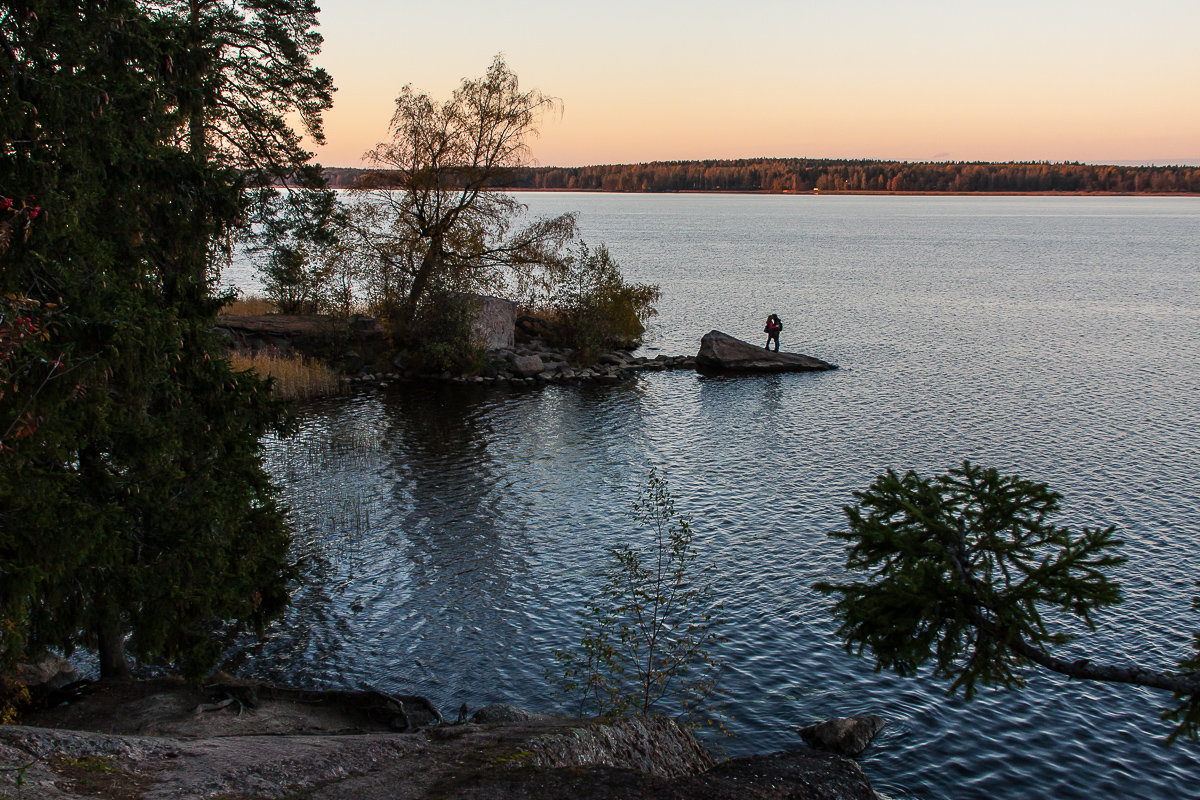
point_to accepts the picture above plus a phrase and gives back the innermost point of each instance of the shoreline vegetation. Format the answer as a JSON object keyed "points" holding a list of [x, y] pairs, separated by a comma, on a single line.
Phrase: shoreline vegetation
{"points": [[825, 176], [293, 376], [307, 356]]}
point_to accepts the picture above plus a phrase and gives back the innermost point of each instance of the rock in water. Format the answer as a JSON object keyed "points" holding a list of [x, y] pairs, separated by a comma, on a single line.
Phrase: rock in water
{"points": [[847, 736], [498, 713], [723, 353]]}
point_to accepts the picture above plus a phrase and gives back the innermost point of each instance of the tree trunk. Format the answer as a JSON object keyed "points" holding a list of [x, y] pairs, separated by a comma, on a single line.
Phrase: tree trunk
{"points": [[432, 262], [196, 113], [110, 647]]}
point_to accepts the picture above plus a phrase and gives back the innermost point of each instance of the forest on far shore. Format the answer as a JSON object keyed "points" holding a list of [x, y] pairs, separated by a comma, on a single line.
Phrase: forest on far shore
{"points": [[783, 175]]}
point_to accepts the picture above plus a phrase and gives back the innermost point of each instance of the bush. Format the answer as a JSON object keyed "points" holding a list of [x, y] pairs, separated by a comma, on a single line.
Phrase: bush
{"points": [[441, 336], [291, 283], [13, 697], [593, 309]]}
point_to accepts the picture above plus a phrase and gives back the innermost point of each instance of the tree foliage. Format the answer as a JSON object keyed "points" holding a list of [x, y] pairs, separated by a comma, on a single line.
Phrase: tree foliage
{"points": [[132, 495], [247, 75], [649, 632], [595, 309], [442, 223], [967, 572], [838, 175]]}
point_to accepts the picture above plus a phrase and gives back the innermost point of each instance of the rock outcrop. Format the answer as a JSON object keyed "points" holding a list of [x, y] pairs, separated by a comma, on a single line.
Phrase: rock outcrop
{"points": [[720, 352], [651, 745], [846, 736], [166, 741], [502, 713]]}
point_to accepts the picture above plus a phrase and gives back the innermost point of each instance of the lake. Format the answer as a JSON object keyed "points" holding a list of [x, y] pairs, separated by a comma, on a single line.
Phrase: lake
{"points": [[452, 533]]}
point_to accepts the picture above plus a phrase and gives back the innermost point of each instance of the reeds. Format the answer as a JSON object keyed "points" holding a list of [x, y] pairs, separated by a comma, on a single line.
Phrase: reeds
{"points": [[295, 377], [249, 307]]}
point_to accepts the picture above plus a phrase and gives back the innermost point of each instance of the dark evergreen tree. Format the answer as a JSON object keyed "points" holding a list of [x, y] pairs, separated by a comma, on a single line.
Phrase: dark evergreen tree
{"points": [[132, 496], [966, 571]]}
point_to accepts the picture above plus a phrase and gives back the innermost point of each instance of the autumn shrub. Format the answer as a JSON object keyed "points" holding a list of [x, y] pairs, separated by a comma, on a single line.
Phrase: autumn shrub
{"points": [[593, 309], [13, 696]]}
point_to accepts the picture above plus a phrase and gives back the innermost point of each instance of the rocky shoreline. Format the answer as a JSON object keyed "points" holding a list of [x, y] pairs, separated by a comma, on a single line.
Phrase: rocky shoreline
{"points": [[533, 364], [241, 740], [359, 351]]}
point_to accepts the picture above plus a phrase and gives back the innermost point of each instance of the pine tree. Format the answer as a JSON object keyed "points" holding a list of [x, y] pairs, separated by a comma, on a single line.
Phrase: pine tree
{"points": [[968, 572], [249, 67]]}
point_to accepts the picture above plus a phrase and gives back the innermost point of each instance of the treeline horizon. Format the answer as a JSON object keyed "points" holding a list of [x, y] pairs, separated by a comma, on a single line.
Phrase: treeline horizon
{"points": [[799, 175]]}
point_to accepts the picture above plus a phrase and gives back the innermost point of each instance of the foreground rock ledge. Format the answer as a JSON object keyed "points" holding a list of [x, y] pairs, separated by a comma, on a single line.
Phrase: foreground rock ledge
{"points": [[721, 352], [327, 757]]}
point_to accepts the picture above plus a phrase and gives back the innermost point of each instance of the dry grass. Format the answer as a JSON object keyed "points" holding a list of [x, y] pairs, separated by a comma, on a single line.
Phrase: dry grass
{"points": [[249, 307], [296, 377]]}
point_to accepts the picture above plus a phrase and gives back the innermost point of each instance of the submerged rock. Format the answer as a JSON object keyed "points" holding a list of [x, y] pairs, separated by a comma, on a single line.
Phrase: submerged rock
{"points": [[847, 736], [722, 352]]}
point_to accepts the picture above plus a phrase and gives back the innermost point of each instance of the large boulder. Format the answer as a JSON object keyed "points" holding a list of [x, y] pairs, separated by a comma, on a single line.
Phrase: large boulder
{"points": [[494, 321], [846, 736], [723, 353], [527, 366], [47, 671]]}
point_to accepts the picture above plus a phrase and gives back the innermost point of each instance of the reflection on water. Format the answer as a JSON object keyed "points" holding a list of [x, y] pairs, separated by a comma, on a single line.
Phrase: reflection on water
{"points": [[450, 534]]}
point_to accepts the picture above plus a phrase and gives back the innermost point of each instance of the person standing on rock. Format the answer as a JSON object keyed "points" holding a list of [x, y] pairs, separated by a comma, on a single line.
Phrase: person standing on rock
{"points": [[774, 326]]}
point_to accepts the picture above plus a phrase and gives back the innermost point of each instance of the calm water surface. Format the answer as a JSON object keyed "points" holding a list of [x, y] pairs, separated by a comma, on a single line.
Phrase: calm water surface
{"points": [[452, 534]]}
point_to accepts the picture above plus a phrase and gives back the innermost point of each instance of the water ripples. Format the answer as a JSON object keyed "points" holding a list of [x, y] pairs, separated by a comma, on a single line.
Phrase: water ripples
{"points": [[450, 536]]}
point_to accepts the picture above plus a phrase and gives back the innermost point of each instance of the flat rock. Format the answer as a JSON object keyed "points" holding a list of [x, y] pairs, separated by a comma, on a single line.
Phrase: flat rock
{"points": [[498, 713], [147, 740], [723, 353]]}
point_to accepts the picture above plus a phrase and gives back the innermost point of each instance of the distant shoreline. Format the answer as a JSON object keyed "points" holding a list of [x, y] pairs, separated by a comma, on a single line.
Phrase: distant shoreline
{"points": [[858, 192], [827, 176], [830, 192]]}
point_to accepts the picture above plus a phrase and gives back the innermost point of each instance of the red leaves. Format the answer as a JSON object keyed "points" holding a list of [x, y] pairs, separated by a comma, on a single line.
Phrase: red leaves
{"points": [[20, 217]]}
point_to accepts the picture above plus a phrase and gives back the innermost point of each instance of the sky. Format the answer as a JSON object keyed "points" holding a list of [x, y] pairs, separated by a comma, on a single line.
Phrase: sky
{"points": [[1100, 81]]}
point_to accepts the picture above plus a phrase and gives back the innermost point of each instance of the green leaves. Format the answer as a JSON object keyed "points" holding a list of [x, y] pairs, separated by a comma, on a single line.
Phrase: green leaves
{"points": [[648, 633], [595, 308], [137, 503]]}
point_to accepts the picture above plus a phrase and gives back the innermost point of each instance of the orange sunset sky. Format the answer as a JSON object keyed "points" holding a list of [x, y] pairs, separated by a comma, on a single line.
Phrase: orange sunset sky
{"points": [[1106, 81]]}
